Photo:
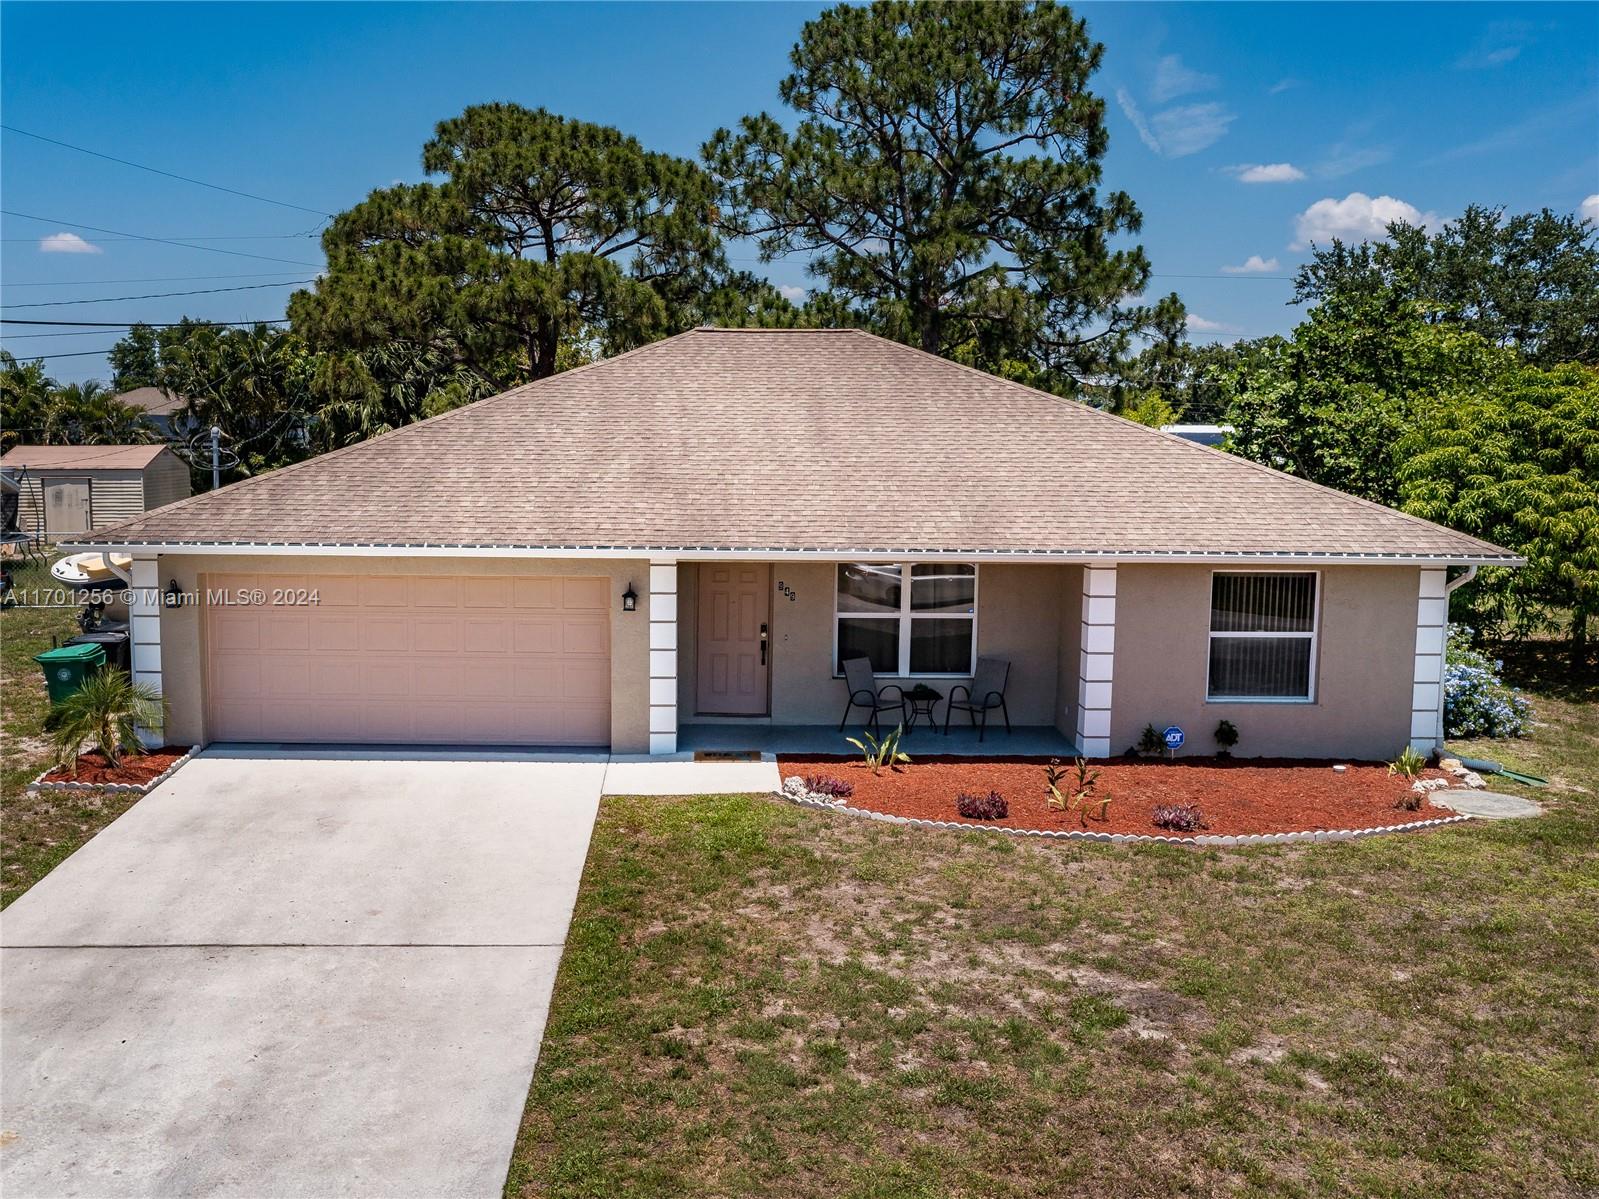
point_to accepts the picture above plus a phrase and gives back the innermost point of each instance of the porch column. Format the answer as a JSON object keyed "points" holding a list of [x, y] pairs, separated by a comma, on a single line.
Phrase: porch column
{"points": [[663, 655], [1427, 683], [1097, 661], [144, 630]]}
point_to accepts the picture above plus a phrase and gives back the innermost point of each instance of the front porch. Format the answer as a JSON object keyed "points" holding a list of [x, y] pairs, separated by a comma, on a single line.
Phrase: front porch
{"points": [[1033, 741]]}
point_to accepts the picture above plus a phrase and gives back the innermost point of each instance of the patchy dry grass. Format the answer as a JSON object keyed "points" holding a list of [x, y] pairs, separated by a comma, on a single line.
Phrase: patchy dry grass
{"points": [[759, 1000], [37, 831]]}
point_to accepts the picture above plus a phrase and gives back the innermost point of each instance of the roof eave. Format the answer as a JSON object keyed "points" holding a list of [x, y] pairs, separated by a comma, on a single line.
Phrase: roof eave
{"points": [[691, 553]]}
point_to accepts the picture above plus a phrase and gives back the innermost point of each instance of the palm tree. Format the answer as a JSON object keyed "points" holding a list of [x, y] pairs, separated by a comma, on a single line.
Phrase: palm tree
{"points": [[107, 712], [90, 414]]}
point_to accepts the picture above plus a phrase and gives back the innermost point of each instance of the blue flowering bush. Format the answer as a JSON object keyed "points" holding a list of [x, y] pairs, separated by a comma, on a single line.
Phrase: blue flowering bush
{"points": [[1477, 703]]}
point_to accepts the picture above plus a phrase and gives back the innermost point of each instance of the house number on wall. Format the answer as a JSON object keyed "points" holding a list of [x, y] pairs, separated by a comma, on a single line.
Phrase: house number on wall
{"points": [[785, 589]]}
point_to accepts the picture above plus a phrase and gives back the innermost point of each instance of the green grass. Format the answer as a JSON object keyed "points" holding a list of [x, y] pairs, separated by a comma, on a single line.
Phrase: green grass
{"points": [[37, 831], [759, 1000]]}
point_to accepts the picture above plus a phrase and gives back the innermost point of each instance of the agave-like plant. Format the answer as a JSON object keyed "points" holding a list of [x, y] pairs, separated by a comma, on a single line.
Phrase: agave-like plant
{"points": [[105, 714], [879, 754]]}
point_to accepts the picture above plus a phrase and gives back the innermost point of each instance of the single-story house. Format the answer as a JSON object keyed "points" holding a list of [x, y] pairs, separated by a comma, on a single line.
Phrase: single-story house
{"points": [[703, 529], [167, 414], [68, 490]]}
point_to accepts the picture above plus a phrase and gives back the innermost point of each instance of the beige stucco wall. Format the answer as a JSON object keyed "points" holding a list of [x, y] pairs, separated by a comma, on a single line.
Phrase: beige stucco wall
{"points": [[182, 651], [1365, 661], [1019, 616]]}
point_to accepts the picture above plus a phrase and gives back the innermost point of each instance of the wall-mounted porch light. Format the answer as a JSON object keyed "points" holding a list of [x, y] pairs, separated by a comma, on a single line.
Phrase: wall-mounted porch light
{"points": [[630, 599], [173, 596]]}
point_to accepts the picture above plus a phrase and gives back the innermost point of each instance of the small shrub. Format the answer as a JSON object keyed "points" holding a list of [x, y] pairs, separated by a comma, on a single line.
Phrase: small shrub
{"points": [[105, 713], [1226, 738], [879, 754], [1179, 817], [1411, 801], [1477, 703], [826, 784], [1408, 763], [1079, 795], [982, 807], [1150, 741]]}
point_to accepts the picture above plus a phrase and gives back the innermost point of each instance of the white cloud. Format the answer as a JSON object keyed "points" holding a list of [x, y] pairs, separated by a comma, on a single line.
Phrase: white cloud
{"points": [[1357, 217], [1172, 79], [1282, 85], [1253, 265], [1136, 116], [1199, 324], [1590, 208], [1268, 172], [67, 243], [1178, 132], [1500, 43], [794, 295], [1190, 128]]}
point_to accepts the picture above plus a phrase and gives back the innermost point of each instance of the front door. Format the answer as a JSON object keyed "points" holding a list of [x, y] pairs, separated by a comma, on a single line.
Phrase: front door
{"points": [[66, 507], [734, 610]]}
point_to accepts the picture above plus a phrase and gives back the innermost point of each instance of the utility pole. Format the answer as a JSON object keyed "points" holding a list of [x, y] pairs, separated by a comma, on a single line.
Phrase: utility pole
{"points": [[216, 457]]}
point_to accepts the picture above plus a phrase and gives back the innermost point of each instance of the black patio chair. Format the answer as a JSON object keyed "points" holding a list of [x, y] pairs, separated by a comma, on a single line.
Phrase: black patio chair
{"points": [[865, 693], [986, 693]]}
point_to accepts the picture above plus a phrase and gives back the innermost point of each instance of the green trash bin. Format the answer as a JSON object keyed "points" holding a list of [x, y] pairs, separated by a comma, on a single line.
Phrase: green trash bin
{"points": [[66, 668]]}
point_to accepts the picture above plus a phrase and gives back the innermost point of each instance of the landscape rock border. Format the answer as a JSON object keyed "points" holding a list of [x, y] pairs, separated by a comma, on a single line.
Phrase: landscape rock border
{"points": [[39, 784], [1211, 840]]}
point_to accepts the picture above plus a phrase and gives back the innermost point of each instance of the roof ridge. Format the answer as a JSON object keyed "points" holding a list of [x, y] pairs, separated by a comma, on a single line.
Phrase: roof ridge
{"points": [[1271, 471], [344, 450]]}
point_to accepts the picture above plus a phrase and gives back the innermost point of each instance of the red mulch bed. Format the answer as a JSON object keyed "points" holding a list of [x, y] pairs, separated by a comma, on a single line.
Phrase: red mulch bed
{"points": [[1253, 795], [94, 772]]}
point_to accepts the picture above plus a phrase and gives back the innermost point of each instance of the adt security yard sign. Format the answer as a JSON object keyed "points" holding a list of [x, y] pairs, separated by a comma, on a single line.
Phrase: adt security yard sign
{"points": [[1174, 738]]}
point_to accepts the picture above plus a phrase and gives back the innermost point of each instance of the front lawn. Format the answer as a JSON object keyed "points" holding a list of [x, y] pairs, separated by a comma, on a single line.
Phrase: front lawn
{"points": [[37, 830], [761, 1000]]}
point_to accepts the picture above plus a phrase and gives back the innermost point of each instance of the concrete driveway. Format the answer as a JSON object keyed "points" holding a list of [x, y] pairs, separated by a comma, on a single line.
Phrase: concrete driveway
{"points": [[293, 974]]}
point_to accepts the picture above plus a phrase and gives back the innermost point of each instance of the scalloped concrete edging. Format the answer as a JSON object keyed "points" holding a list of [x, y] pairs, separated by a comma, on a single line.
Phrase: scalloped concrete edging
{"points": [[39, 783], [1213, 840]]}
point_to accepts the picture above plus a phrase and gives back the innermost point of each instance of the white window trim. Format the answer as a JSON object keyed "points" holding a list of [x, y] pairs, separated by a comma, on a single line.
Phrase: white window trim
{"points": [[1313, 636], [904, 618]]}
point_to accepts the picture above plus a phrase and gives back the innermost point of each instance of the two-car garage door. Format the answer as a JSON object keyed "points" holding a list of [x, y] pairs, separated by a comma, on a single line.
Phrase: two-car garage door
{"points": [[405, 659]]}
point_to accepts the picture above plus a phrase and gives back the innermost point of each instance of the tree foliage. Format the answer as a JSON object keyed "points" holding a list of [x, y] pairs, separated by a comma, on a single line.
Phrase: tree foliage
{"points": [[1529, 282], [1514, 459], [944, 175], [543, 229], [35, 409]]}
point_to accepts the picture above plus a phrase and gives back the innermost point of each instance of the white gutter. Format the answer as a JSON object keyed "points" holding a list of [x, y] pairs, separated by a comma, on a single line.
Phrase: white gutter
{"points": [[716, 553], [1450, 587]]}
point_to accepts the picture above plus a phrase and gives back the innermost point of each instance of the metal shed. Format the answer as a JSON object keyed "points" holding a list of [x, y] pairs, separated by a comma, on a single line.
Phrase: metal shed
{"points": [[73, 489]]}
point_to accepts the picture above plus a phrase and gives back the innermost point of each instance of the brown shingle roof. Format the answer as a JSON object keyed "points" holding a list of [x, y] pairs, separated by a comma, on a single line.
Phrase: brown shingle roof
{"points": [[82, 457], [152, 400], [788, 440]]}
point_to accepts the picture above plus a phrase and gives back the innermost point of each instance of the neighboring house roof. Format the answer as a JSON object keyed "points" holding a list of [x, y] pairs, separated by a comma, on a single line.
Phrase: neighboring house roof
{"points": [[153, 401], [827, 441], [82, 457], [1201, 434]]}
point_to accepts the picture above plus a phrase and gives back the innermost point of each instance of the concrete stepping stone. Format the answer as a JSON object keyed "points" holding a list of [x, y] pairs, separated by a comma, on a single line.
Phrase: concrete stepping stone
{"points": [[1487, 805]]}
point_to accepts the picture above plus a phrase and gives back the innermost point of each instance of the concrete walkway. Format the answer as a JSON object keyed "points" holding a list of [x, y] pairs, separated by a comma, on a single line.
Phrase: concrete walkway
{"points": [[1486, 805], [293, 974]]}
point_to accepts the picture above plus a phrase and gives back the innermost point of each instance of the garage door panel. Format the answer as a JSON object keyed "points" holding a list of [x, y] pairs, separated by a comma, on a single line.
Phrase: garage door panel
{"points": [[584, 635], [537, 593], [586, 680], [436, 635], [396, 659], [592, 594], [335, 591], [386, 634], [538, 636]]}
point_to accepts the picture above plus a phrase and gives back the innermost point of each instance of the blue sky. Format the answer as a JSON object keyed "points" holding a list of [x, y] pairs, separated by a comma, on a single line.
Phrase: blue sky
{"points": [[1243, 131]]}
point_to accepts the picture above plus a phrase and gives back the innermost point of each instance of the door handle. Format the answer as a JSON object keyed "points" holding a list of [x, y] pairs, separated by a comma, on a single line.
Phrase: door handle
{"points": [[764, 640]]}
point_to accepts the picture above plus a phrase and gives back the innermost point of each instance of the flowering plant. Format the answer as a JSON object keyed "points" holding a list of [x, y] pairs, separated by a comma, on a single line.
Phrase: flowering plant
{"points": [[1477, 703]]}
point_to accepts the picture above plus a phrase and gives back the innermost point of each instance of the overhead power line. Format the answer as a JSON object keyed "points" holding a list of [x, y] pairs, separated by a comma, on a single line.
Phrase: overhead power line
{"points": [[144, 279], [109, 325], [232, 191], [158, 295], [77, 354], [166, 241]]}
